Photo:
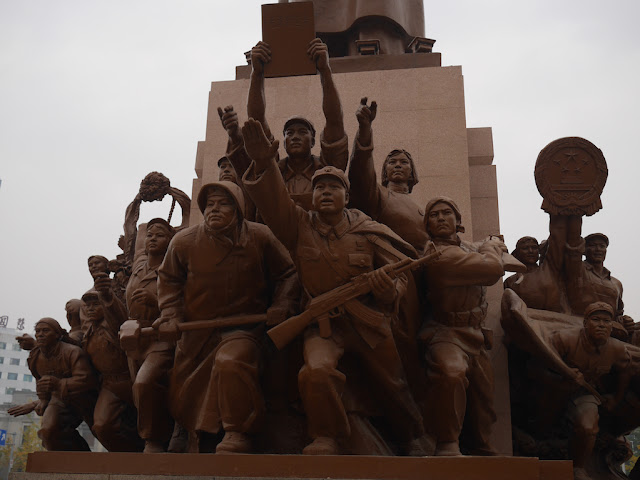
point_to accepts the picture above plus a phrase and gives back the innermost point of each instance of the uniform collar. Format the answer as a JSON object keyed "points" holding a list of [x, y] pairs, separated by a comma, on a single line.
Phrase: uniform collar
{"points": [[447, 241], [288, 173], [325, 230], [605, 271], [590, 347]]}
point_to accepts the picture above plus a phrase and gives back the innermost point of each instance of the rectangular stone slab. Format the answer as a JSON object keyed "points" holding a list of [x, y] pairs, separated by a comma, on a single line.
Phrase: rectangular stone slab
{"points": [[291, 466], [288, 28]]}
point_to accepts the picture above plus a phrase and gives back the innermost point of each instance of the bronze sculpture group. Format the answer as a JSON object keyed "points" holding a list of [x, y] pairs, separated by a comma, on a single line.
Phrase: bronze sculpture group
{"points": [[322, 312]]}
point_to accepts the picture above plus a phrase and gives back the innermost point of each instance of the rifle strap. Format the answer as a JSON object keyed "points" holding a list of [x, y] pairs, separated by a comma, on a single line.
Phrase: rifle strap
{"points": [[386, 246]]}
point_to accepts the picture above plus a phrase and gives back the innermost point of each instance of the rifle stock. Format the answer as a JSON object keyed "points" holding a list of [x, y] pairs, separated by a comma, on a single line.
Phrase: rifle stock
{"points": [[284, 333]]}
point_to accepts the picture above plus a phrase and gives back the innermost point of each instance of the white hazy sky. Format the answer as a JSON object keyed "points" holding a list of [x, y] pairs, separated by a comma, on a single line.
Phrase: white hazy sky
{"points": [[94, 94]]}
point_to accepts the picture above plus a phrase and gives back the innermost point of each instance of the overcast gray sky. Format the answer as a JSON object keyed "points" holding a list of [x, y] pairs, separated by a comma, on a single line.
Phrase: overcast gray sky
{"points": [[95, 94]]}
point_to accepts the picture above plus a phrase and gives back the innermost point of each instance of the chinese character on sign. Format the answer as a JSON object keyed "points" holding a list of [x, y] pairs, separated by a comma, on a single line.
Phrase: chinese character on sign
{"points": [[4, 320], [21, 324]]}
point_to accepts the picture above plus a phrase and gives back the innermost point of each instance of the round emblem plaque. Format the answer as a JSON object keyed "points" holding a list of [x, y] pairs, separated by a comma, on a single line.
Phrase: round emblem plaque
{"points": [[570, 175]]}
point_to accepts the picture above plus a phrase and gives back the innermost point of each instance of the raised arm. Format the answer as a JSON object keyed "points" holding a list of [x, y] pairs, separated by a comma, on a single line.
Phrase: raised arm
{"points": [[331, 106], [457, 267], [236, 152], [365, 191], [264, 184], [256, 103]]}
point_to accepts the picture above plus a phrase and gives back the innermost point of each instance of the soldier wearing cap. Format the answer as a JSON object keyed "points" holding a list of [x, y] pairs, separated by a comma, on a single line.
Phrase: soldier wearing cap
{"points": [[114, 417], [594, 354], [528, 252], [459, 371], [66, 385], [299, 133], [330, 245], [590, 281], [225, 266], [388, 202], [99, 267]]}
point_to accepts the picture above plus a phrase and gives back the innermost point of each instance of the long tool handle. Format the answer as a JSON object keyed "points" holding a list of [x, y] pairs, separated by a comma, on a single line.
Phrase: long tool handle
{"points": [[236, 321]]}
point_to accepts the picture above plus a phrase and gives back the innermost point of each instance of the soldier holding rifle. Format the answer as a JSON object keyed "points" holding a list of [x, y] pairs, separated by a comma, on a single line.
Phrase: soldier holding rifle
{"points": [[225, 267], [330, 246]]}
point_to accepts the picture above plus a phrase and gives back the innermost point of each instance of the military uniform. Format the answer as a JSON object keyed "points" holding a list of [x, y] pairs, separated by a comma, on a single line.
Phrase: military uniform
{"points": [[459, 371], [327, 257]]}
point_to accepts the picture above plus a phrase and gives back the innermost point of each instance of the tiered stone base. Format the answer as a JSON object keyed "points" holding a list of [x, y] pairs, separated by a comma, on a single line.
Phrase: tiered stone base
{"points": [[165, 466]]}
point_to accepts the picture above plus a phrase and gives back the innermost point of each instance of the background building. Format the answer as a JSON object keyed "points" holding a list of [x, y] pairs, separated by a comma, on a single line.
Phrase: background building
{"points": [[14, 372]]}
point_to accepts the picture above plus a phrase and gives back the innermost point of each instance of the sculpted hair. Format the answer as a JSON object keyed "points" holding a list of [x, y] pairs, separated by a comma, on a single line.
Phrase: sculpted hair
{"points": [[413, 179]]}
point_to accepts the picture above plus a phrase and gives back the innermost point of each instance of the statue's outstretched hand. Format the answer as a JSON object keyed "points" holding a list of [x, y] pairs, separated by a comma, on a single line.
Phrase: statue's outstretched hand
{"points": [[259, 148], [366, 114], [260, 55], [319, 53], [25, 409], [229, 120]]}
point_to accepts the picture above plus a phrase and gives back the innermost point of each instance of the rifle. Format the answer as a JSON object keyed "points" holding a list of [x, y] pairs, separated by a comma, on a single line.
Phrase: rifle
{"points": [[320, 306]]}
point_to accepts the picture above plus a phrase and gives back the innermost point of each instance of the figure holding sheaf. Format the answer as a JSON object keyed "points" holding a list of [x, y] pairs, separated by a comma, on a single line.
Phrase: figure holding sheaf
{"points": [[149, 359]]}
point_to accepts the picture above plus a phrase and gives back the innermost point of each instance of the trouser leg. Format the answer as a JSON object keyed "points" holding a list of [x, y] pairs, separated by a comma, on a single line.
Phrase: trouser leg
{"points": [[58, 428], [584, 418], [321, 386], [240, 400], [150, 391], [112, 424], [480, 415], [384, 366], [446, 398]]}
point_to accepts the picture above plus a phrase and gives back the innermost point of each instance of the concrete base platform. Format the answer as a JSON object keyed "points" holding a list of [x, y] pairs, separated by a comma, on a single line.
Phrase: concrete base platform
{"points": [[130, 466]]}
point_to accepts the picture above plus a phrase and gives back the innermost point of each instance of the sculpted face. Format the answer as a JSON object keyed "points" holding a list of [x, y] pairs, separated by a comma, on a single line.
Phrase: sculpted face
{"points": [[97, 265], [157, 240], [528, 252], [93, 310], [398, 168], [329, 196], [598, 326], [596, 250], [220, 210], [227, 172], [441, 221], [298, 140], [46, 337]]}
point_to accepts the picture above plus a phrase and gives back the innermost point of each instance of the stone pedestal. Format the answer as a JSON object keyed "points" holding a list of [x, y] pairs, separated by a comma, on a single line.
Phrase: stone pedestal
{"points": [[164, 466]]}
